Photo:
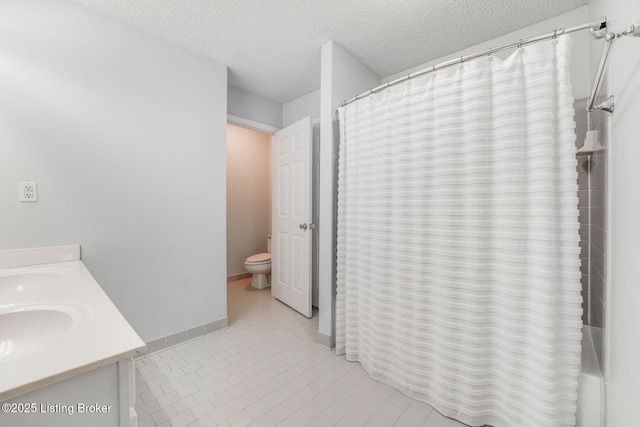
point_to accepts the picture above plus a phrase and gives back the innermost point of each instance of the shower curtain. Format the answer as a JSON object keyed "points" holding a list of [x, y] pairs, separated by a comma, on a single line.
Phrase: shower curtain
{"points": [[458, 273]]}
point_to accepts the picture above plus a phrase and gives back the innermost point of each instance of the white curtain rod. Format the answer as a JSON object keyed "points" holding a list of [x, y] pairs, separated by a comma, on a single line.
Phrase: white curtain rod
{"points": [[595, 27]]}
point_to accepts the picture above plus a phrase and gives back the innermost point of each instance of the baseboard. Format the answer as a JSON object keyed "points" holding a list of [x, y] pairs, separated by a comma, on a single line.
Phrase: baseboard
{"points": [[183, 336], [325, 341], [235, 277]]}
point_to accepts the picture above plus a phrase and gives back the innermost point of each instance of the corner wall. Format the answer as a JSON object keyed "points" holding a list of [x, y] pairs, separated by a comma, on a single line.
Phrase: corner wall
{"points": [[253, 111], [299, 108], [125, 136], [623, 275], [342, 76]]}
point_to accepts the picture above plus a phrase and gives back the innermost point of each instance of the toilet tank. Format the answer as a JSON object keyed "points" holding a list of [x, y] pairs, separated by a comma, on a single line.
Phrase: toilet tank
{"points": [[269, 243]]}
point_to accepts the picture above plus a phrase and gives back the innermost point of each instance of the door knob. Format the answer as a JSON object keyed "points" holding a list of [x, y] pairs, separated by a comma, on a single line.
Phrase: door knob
{"points": [[303, 226]]}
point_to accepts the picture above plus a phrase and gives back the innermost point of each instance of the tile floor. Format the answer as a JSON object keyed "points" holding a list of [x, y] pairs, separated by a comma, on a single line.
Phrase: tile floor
{"points": [[265, 370]]}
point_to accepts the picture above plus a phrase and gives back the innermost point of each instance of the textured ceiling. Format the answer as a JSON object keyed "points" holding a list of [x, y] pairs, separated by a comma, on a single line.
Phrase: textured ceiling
{"points": [[272, 47]]}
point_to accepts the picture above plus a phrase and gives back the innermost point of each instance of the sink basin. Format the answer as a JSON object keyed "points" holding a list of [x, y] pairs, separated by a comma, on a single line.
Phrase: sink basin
{"points": [[28, 329], [21, 279]]}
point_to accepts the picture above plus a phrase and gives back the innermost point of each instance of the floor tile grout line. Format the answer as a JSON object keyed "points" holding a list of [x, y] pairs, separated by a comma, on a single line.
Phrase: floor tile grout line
{"points": [[262, 358]]}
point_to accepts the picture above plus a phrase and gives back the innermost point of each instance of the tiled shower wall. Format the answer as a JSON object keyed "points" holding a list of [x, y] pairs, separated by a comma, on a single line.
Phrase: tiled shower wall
{"points": [[583, 205], [592, 195]]}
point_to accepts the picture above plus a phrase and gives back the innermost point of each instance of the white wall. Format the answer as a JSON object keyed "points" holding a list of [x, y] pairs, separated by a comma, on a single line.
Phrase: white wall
{"points": [[342, 76], [248, 201], [254, 109], [580, 77], [623, 385], [305, 106], [125, 136]]}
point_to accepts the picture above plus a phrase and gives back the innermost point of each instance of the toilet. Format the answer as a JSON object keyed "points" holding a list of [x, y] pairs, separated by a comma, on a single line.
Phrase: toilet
{"points": [[260, 266]]}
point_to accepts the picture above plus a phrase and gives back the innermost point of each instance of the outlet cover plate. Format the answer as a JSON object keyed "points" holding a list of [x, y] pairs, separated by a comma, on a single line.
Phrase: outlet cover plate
{"points": [[27, 191]]}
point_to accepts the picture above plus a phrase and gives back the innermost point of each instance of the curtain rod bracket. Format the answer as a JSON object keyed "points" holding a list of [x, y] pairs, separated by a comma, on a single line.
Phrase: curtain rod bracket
{"points": [[609, 39], [607, 105], [600, 31], [632, 30]]}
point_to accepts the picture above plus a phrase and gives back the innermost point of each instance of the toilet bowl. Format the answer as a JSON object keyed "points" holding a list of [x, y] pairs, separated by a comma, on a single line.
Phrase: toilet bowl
{"points": [[259, 265]]}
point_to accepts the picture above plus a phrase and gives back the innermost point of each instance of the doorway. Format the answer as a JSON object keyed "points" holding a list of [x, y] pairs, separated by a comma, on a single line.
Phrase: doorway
{"points": [[249, 200], [248, 197]]}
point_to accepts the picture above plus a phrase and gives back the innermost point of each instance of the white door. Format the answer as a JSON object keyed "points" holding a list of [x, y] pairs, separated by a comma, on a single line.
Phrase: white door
{"points": [[291, 216]]}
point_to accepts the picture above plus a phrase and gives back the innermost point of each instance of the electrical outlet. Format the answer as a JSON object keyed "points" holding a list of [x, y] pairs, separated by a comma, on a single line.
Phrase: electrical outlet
{"points": [[27, 191]]}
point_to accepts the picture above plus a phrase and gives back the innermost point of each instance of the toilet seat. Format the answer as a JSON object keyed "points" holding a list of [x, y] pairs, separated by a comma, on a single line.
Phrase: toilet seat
{"points": [[259, 266], [259, 258]]}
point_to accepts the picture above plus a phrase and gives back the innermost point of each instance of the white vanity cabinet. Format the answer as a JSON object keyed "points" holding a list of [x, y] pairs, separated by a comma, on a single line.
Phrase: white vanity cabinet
{"points": [[102, 397], [66, 352]]}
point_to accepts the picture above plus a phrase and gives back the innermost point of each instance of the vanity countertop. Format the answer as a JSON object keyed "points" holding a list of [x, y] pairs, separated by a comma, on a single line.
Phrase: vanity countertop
{"points": [[55, 322]]}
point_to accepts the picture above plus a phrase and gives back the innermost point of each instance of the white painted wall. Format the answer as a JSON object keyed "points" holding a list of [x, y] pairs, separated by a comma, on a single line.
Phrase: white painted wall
{"points": [[305, 106], [125, 136], [342, 76], [623, 305], [248, 201], [580, 77], [256, 110]]}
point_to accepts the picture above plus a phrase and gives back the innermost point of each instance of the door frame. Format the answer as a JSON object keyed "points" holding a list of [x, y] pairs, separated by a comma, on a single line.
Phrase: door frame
{"points": [[271, 130]]}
